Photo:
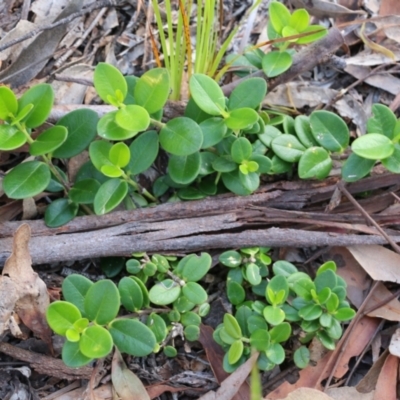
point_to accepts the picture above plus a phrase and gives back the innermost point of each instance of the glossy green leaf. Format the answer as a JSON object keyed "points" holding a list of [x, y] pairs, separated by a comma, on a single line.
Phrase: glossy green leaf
{"points": [[207, 94], [146, 299], [345, 314], [325, 320], [325, 279], [235, 292], [102, 302], [315, 32], [301, 357], [235, 351], [48, 141], [273, 315], [224, 164], [392, 163], [328, 265], [109, 196], [11, 138], [195, 267], [8, 103], [232, 326], [315, 162], [335, 330], [280, 333], [299, 20], [329, 130], [356, 167], [42, 98], [194, 293], [250, 181], [253, 274], [241, 150], [108, 81], [133, 118], [310, 312], [72, 356], [131, 294], [74, 288], [249, 93], [184, 169], [241, 118], [269, 134], [303, 287], [99, 151], [152, 89], [383, 121], [303, 131], [132, 337], [111, 171], [214, 129], [181, 136], [119, 154], [157, 326], [275, 353], [279, 16], [107, 128], [26, 180], [327, 341], [284, 268], [164, 292], [61, 316], [59, 212], [143, 152], [276, 284], [373, 146], [84, 191], [288, 148], [275, 63], [230, 258], [192, 332], [233, 183], [332, 303], [82, 129], [96, 342]]}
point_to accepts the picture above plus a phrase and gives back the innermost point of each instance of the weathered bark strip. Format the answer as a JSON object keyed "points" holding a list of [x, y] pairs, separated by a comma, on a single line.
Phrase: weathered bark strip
{"points": [[46, 365]]}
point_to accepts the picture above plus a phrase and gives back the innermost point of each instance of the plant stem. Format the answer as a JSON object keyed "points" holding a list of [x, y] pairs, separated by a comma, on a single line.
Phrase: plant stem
{"points": [[138, 188], [157, 124]]}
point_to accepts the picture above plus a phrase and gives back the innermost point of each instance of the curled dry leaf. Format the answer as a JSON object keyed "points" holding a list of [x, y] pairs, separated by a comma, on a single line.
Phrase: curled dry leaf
{"points": [[306, 394], [26, 292]]}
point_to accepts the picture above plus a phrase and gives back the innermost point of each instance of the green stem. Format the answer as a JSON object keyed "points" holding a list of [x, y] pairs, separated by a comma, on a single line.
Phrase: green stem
{"points": [[157, 124], [138, 188]]}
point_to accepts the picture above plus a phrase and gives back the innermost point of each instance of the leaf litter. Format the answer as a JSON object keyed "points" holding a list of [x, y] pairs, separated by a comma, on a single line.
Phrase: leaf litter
{"points": [[70, 60]]}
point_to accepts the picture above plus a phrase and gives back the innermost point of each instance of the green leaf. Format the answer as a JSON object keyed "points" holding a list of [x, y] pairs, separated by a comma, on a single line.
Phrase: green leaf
{"points": [[231, 258], [111, 171], [335, 330], [248, 94], [241, 118], [119, 154], [310, 312], [275, 353], [332, 303], [260, 339], [132, 337], [319, 30], [48, 141], [356, 167], [131, 294], [10, 137], [253, 274], [8, 103], [326, 340], [302, 287], [181, 136], [194, 293], [61, 316], [107, 128], [192, 332], [95, 342], [82, 129], [108, 81], [301, 357], [99, 152], [329, 130], [383, 121], [42, 98], [315, 162], [143, 152], [195, 267], [26, 180], [288, 148], [170, 351], [275, 63], [214, 129], [102, 302], [232, 327], [276, 284], [84, 191], [133, 118], [345, 314], [279, 16], [207, 94], [250, 181], [157, 326], [146, 299], [235, 292], [74, 288], [373, 146], [280, 333], [241, 150], [325, 279], [152, 89], [392, 163], [325, 320], [233, 182], [235, 351], [299, 20], [110, 194], [328, 265], [303, 131], [184, 169], [164, 292], [270, 133], [59, 212], [72, 356], [224, 164], [274, 315], [190, 318], [284, 268]]}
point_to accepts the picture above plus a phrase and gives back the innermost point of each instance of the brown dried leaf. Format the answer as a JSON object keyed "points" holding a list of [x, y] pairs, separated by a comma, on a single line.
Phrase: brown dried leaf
{"points": [[28, 295], [127, 385], [348, 393], [306, 394], [368, 382], [380, 263], [387, 381], [325, 9]]}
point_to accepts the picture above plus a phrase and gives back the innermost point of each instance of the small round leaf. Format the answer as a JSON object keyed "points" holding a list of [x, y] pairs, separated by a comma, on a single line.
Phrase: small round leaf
{"points": [[96, 342], [110, 194], [59, 212], [373, 146]]}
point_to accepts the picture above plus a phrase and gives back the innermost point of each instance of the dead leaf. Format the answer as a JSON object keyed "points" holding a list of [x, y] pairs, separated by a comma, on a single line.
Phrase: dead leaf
{"points": [[368, 382], [26, 292], [380, 263], [387, 381], [394, 346], [389, 311], [389, 7], [375, 46], [348, 393], [127, 385], [325, 9], [157, 390], [231, 385], [306, 394]]}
